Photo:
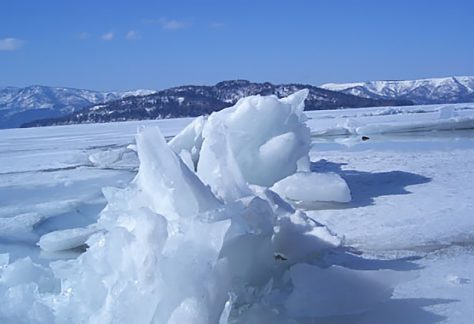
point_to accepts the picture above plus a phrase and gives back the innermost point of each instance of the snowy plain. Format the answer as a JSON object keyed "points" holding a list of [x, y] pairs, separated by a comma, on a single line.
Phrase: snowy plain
{"points": [[410, 182]]}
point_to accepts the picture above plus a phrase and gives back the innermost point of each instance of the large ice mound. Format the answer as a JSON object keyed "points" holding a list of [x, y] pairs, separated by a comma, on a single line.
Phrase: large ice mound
{"points": [[190, 241], [265, 136]]}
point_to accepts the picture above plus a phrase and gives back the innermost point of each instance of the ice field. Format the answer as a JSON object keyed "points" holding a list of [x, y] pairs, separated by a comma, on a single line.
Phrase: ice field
{"points": [[258, 214]]}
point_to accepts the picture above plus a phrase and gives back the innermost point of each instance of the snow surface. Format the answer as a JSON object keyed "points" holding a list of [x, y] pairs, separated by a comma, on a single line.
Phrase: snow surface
{"points": [[399, 252]]}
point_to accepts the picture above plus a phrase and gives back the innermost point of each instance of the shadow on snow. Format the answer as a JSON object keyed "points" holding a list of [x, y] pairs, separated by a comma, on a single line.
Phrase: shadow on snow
{"points": [[365, 186], [396, 311]]}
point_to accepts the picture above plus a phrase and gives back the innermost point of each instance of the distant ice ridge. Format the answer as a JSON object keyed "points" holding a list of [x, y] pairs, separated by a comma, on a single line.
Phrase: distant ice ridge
{"points": [[437, 118], [197, 236]]}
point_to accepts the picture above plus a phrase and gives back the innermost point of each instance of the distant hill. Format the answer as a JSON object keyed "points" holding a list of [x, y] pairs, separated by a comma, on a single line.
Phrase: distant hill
{"points": [[422, 91], [194, 100], [21, 105]]}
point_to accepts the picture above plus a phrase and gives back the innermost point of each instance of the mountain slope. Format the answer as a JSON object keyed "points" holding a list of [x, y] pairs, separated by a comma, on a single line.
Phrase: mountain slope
{"points": [[198, 100], [20, 105], [422, 91]]}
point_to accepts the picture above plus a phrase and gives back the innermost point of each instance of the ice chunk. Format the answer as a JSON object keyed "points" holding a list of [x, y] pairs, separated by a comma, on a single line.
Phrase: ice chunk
{"points": [[191, 268], [456, 280], [298, 238], [151, 263], [267, 137], [191, 310], [296, 101], [274, 155], [313, 187], [121, 268], [66, 239], [21, 285], [132, 147], [224, 318], [218, 166], [189, 139], [248, 246], [303, 164], [187, 159], [24, 270], [107, 158], [166, 183], [20, 227], [447, 112]]}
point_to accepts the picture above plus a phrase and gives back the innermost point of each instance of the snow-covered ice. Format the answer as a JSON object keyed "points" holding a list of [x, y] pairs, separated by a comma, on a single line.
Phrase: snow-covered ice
{"points": [[187, 233]]}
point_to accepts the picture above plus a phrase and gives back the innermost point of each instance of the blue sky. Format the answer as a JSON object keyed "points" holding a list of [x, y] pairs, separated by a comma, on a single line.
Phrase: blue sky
{"points": [[120, 44]]}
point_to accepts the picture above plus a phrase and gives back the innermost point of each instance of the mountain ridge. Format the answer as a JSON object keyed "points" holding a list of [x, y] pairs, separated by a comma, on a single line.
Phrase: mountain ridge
{"points": [[455, 89], [19, 105], [195, 100]]}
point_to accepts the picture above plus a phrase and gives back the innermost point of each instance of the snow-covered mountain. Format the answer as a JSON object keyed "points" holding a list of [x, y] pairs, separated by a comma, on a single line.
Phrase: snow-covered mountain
{"points": [[190, 101], [21, 105], [422, 91]]}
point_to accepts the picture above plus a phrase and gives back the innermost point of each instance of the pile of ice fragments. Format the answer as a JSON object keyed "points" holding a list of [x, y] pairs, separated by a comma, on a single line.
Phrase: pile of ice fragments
{"points": [[203, 235]]}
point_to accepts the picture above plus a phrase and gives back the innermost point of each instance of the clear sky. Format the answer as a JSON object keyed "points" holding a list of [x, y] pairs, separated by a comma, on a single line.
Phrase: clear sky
{"points": [[128, 44]]}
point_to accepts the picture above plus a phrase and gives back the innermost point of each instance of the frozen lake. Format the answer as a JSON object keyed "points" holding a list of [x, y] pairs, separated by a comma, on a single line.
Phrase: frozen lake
{"points": [[412, 196]]}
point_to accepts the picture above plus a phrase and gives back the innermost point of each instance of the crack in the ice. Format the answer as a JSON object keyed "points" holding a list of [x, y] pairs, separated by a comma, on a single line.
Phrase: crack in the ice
{"points": [[72, 167]]}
